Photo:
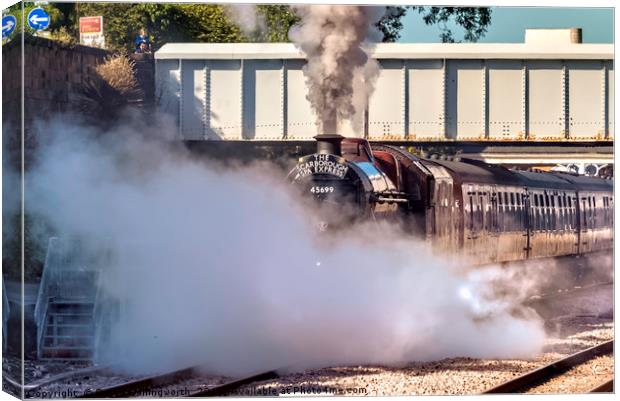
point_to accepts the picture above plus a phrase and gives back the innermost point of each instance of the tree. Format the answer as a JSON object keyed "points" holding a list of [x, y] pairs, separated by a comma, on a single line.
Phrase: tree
{"points": [[474, 20], [169, 22], [279, 19], [390, 24]]}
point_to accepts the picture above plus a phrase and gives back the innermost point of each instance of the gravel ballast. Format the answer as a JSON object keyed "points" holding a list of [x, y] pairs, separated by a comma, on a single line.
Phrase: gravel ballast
{"points": [[453, 376]]}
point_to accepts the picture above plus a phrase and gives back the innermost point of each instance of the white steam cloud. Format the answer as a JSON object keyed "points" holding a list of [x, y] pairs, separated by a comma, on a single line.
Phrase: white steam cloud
{"points": [[223, 267], [340, 76], [247, 18]]}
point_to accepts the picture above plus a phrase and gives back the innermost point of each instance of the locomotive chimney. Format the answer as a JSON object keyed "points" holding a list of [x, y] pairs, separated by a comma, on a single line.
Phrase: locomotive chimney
{"points": [[329, 144]]}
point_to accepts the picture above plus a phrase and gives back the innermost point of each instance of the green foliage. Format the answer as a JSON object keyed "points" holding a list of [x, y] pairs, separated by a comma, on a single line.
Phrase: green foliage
{"points": [[474, 20], [279, 19], [390, 24], [170, 22], [36, 235], [63, 36], [162, 22], [209, 23]]}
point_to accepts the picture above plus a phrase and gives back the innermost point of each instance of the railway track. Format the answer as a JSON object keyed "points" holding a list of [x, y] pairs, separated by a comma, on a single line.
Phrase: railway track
{"points": [[150, 384], [138, 386], [233, 385], [555, 369], [606, 387], [53, 379], [568, 292]]}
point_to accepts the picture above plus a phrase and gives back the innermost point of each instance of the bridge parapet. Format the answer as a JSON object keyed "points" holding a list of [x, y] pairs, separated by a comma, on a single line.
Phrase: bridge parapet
{"points": [[525, 92]]}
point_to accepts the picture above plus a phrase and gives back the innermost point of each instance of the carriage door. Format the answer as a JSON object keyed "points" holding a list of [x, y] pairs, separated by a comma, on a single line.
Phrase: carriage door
{"points": [[584, 245], [527, 221], [492, 225], [471, 214]]}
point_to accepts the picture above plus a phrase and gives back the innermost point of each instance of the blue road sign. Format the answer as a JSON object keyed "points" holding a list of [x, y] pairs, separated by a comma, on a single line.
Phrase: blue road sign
{"points": [[8, 25], [38, 19]]}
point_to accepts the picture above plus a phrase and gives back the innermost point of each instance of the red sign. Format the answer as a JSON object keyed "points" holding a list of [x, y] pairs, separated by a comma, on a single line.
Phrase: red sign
{"points": [[91, 24]]}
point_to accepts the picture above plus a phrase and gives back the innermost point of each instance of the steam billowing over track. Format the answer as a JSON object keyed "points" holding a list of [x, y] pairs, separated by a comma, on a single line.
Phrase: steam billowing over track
{"points": [[231, 261]]}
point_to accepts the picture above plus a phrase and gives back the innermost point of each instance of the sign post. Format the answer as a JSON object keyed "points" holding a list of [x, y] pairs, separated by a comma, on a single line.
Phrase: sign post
{"points": [[91, 32]]}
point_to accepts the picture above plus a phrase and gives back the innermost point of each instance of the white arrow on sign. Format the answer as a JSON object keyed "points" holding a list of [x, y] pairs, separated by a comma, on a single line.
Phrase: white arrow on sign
{"points": [[36, 20], [8, 26]]}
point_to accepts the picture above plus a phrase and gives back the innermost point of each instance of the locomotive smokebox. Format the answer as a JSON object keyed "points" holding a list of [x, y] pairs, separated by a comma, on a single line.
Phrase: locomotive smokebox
{"points": [[329, 144]]}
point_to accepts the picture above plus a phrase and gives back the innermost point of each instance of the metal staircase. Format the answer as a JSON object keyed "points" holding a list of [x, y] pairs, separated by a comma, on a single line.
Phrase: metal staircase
{"points": [[69, 330], [68, 301]]}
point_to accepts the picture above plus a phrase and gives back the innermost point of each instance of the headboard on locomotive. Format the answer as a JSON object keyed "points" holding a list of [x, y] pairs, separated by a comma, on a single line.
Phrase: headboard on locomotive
{"points": [[345, 180]]}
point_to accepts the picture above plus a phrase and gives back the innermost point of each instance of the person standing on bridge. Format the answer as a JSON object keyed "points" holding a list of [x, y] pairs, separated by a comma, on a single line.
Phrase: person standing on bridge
{"points": [[142, 42]]}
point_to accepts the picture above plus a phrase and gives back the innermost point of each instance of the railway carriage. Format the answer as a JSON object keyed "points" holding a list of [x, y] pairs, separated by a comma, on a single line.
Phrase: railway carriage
{"points": [[487, 212]]}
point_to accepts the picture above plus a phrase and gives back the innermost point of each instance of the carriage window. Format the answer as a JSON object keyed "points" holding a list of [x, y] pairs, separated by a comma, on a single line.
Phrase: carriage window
{"points": [[571, 213], [554, 219], [547, 213], [543, 213], [536, 213], [500, 212], [471, 212], [539, 213], [606, 213], [595, 220], [584, 214], [562, 212], [564, 199], [479, 216]]}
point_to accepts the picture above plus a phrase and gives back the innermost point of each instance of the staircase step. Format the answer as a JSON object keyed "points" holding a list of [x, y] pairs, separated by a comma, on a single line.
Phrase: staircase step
{"points": [[63, 331], [70, 314], [70, 324], [69, 301], [52, 336], [84, 320], [72, 305], [69, 330], [84, 348], [64, 353], [67, 342]]}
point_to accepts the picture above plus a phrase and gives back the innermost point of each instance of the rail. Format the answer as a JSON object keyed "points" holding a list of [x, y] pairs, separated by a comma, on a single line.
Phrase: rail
{"points": [[606, 387], [231, 386], [142, 385], [56, 378], [533, 378], [139, 385]]}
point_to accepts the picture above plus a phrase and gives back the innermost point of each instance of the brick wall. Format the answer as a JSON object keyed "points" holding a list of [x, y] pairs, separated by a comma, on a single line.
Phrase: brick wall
{"points": [[52, 77]]}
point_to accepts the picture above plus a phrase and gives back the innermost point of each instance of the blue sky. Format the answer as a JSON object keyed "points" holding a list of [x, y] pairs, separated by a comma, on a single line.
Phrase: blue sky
{"points": [[508, 24]]}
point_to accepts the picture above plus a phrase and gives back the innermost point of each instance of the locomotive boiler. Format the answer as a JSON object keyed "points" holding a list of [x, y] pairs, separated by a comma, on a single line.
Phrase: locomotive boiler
{"points": [[487, 212]]}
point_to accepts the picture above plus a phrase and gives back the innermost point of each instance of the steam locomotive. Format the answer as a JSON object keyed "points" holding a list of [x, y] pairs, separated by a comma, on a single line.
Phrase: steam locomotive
{"points": [[487, 212]]}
